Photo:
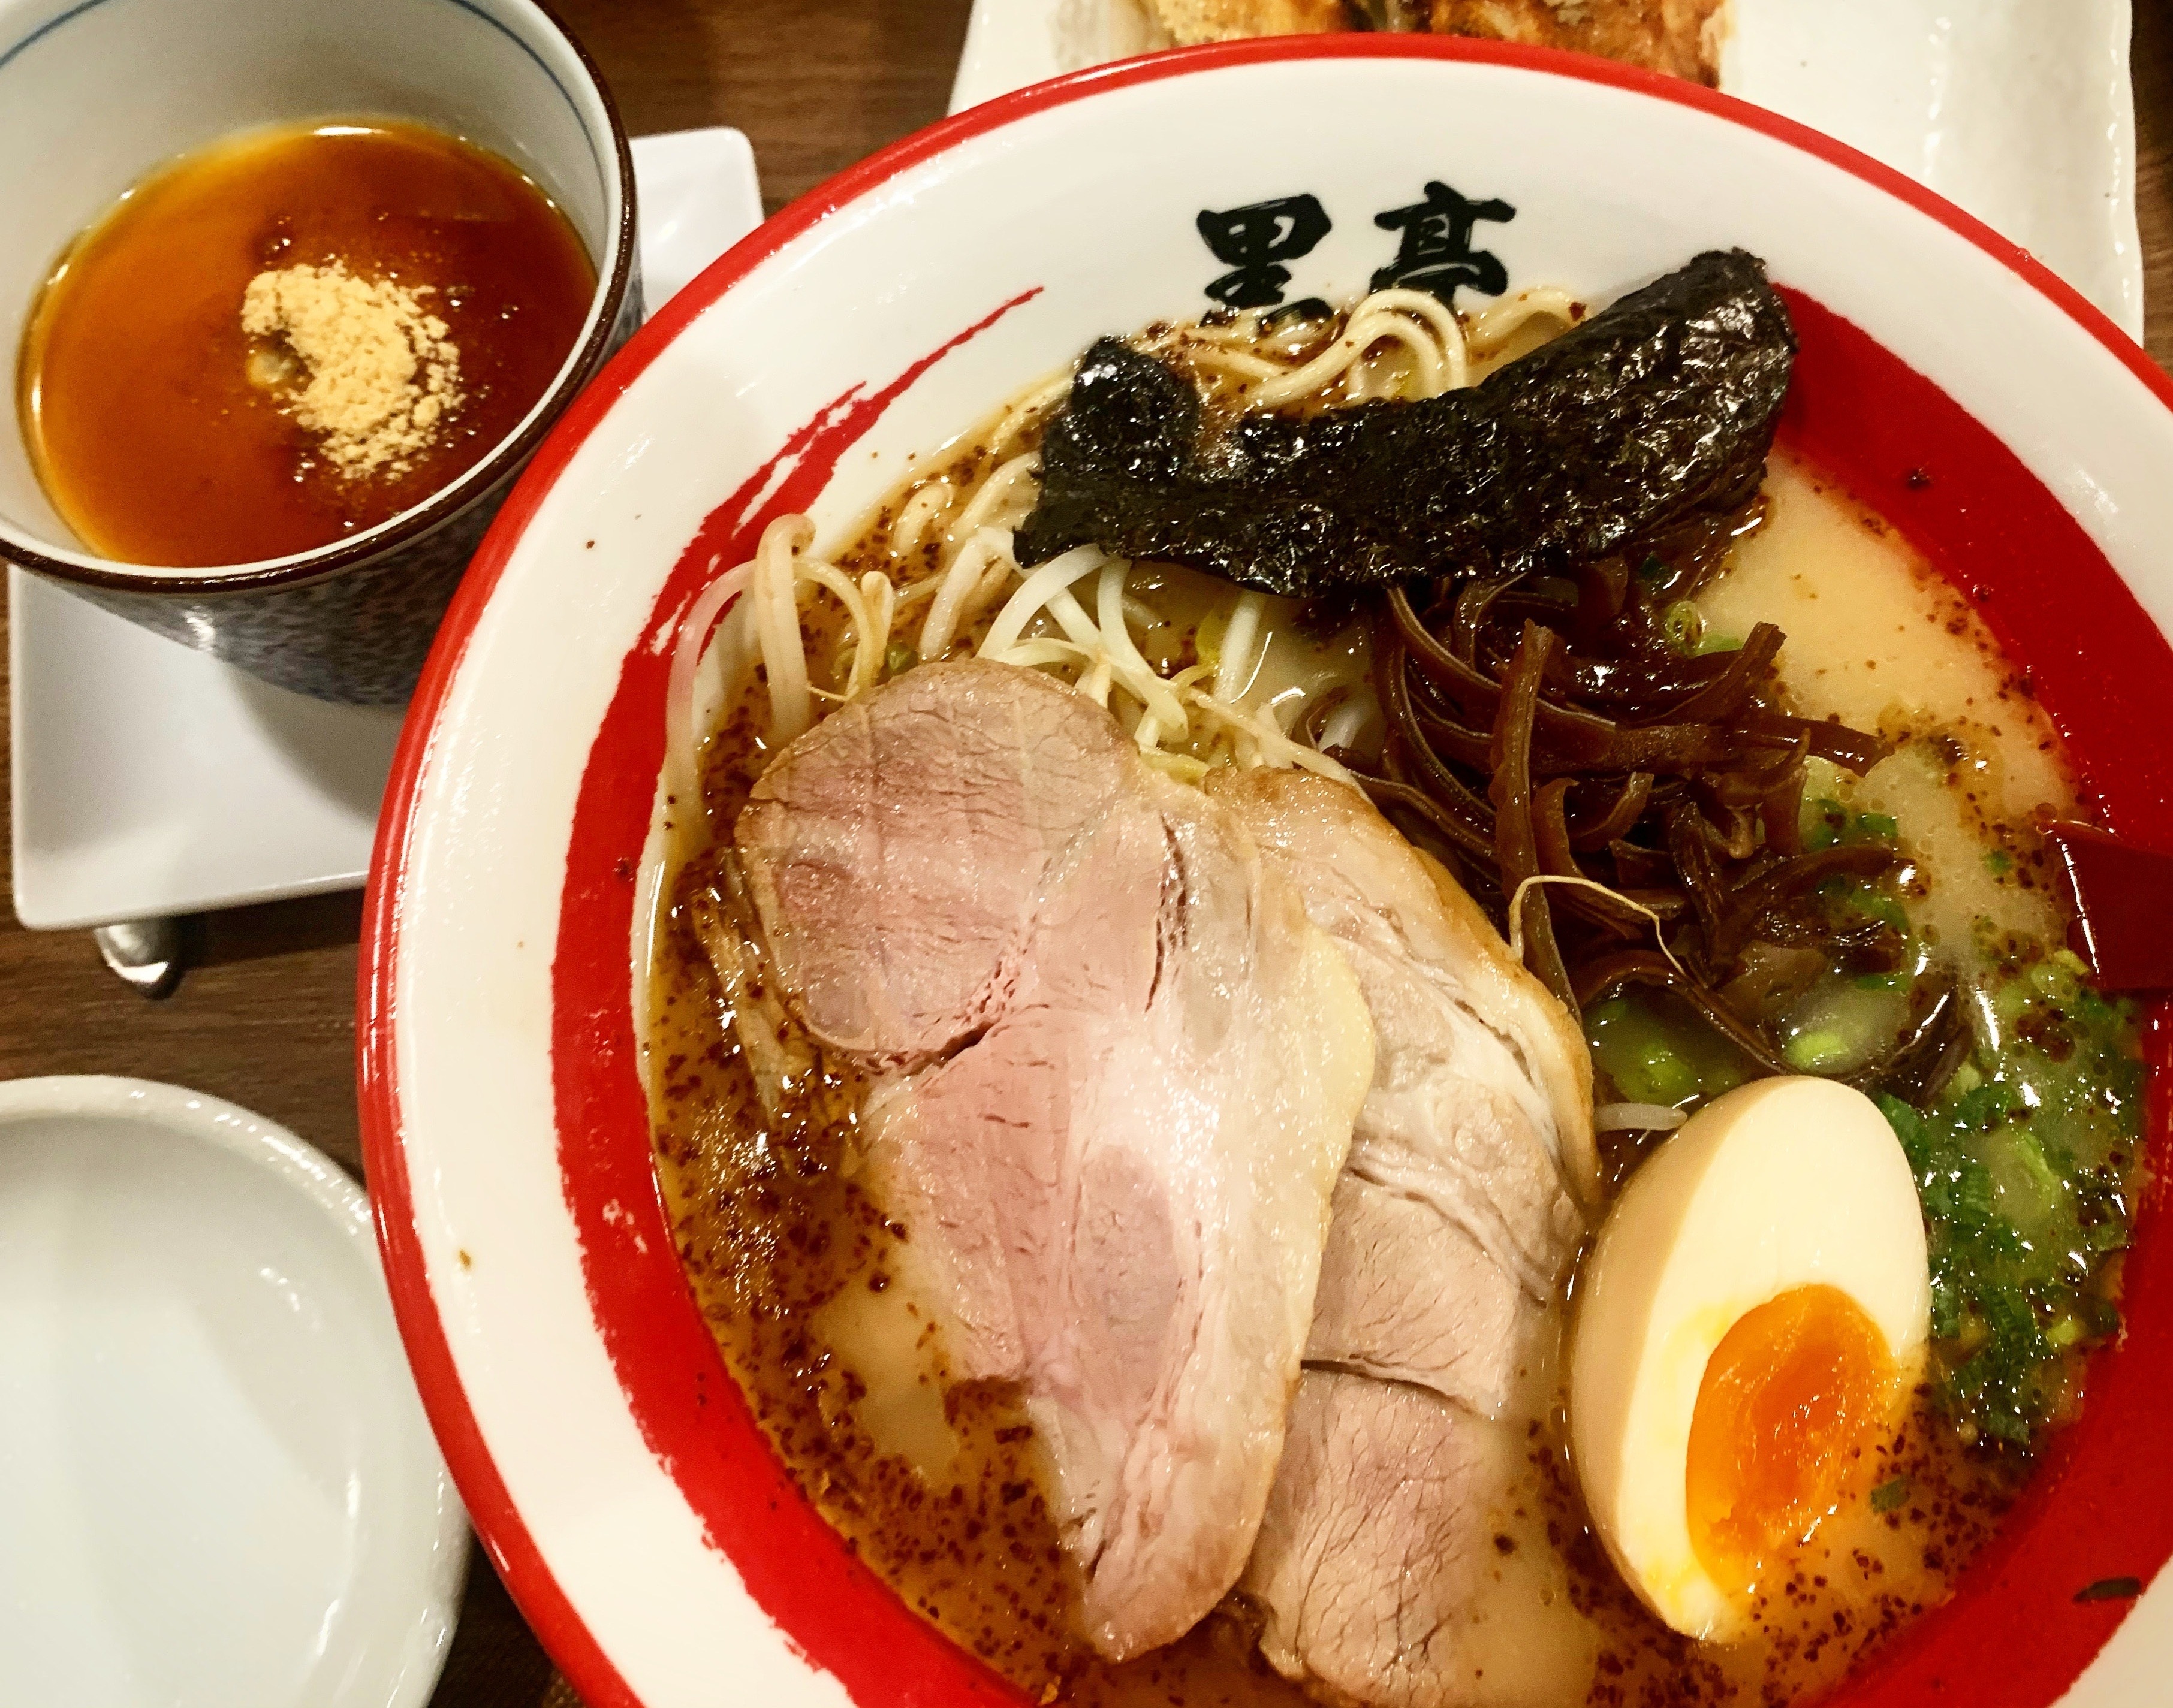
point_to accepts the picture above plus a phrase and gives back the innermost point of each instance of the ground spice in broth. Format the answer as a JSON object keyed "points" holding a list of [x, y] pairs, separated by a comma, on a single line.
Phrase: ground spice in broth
{"points": [[292, 337], [792, 1264], [788, 1260], [1863, 1579]]}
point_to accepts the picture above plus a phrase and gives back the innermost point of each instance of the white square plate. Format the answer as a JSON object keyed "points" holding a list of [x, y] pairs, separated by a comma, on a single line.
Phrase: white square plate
{"points": [[2020, 110], [151, 780]]}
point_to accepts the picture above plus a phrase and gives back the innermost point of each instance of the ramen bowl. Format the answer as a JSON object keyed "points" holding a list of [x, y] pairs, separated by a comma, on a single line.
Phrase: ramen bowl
{"points": [[94, 96], [659, 1547]]}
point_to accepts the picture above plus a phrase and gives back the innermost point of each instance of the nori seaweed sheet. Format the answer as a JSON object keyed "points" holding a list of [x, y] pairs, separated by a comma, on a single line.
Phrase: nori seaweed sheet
{"points": [[1662, 404]]}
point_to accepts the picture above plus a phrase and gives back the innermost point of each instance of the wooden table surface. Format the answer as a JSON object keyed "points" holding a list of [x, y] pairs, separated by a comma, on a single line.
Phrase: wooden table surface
{"points": [[266, 1017]]}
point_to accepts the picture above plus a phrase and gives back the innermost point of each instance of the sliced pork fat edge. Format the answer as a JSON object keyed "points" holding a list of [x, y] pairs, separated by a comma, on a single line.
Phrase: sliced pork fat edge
{"points": [[1377, 1578]]}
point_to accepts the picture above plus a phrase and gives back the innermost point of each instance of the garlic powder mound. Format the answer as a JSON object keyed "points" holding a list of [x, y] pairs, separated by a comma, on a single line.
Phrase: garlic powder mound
{"points": [[381, 375]]}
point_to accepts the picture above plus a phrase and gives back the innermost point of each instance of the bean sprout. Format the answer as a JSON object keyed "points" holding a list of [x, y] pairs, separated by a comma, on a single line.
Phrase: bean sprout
{"points": [[1052, 577], [1495, 328], [1000, 488], [1264, 744], [1042, 623], [1241, 363], [882, 595], [680, 711], [1237, 665], [1630, 1117], [1348, 721], [1123, 656], [777, 625], [1539, 879], [984, 564], [917, 513], [1043, 396]]}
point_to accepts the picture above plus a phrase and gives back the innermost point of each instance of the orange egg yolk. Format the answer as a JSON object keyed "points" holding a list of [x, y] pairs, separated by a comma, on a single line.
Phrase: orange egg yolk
{"points": [[1793, 1401]]}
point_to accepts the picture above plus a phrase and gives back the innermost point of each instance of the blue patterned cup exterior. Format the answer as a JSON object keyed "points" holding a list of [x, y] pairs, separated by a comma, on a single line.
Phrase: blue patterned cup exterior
{"points": [[351, 622]]}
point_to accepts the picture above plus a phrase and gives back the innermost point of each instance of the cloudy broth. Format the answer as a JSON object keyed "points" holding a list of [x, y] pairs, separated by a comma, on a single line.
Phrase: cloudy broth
{"points": [[942, 1487]]}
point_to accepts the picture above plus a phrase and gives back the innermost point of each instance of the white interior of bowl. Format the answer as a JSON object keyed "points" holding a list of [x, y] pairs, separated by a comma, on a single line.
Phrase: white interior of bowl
{"points": [[93, 97], [1093, 204], [220, 1486]]}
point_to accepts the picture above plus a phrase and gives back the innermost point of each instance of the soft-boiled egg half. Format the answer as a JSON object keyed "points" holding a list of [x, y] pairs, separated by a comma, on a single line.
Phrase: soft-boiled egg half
{"points": [[1751, 1319]]}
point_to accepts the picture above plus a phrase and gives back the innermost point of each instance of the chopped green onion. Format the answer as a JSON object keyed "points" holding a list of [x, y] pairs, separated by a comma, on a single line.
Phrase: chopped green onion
{"points": [[2031, 1154], [1823, 821], [1890, 1495], [2015, 1331], [1974, 1196], [1873, 904], [1668, 1078], [1683, 626], [1984, 1106], [1817, 1052], [2051, 980], [2106, 1237]]}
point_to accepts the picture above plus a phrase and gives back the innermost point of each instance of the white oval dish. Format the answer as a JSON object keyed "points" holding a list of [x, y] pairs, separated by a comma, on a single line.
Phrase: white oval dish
{"points": [[217, 1485], [639, 1519], [2031, 128]]}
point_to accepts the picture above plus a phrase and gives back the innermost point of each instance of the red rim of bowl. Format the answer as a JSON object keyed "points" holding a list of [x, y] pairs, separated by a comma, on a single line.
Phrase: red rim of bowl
{"points": [[505, 1536]]}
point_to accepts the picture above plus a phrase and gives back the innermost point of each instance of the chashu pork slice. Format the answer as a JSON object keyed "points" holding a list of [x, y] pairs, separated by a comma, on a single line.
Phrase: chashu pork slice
{"points": [[1120, 1068], [1458, 1213]]}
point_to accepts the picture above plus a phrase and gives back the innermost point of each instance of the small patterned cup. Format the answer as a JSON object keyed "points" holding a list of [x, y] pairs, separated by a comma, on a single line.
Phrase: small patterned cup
{"points": [[95, 94]]}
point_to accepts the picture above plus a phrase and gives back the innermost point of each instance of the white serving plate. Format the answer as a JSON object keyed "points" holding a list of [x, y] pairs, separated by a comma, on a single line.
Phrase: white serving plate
{"points": [[218, 1486], [153, 780], [2021, 111], [638, 1515]]}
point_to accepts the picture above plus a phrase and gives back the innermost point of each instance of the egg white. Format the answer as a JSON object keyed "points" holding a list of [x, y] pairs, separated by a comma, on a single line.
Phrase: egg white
{"points": [[1779, 1184]]}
